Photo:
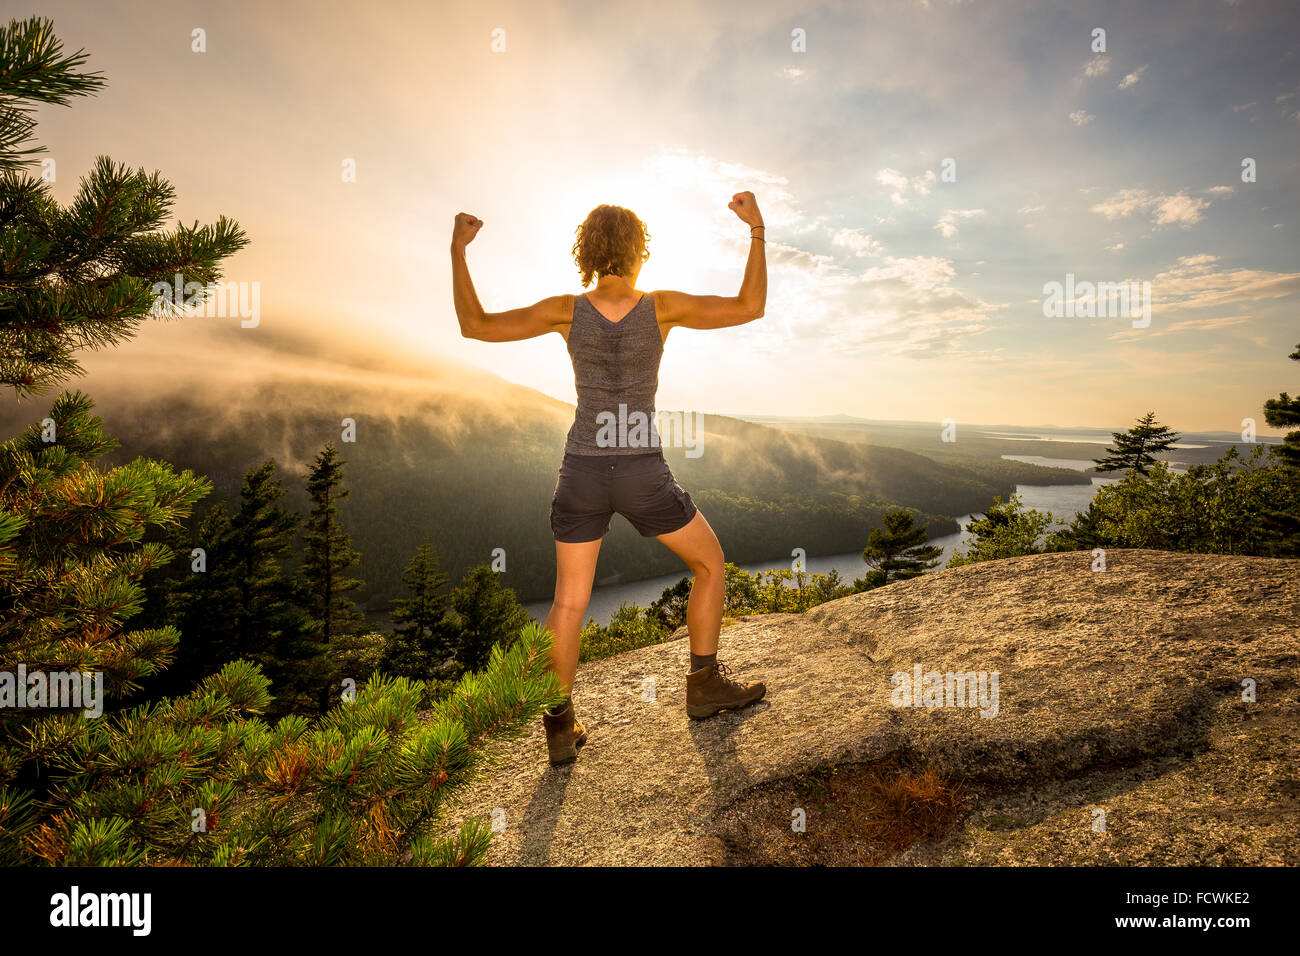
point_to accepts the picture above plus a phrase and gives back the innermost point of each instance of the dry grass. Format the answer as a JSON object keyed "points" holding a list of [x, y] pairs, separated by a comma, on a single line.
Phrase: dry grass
{"points": [[856, 815]]}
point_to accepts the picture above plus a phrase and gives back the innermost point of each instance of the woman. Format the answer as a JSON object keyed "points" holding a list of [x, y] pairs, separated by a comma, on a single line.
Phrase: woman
{"points": [[615, 336]]}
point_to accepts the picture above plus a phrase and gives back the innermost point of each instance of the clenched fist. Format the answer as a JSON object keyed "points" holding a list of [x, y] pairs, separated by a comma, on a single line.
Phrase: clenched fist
{"points": [[465, 229], [746, 207]]}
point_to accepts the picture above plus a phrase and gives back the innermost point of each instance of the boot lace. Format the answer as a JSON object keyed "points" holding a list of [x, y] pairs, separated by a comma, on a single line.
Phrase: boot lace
{"points": [[725, 676]]}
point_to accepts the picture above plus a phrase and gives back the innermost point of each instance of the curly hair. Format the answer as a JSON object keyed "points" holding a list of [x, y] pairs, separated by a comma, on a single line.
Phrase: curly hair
{"points": [[610, 242]]}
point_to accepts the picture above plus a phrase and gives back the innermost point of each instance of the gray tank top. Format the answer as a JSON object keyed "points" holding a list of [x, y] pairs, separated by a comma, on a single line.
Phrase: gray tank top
{"points": [[616, 373]]}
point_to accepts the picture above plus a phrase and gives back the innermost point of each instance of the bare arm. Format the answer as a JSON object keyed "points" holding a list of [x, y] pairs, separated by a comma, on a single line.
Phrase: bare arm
{"points": [[548, 315], [722, 311]]}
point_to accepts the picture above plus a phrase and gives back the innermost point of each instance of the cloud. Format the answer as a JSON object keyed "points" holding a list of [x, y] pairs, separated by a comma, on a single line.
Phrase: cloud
{"points": [[900, 186], [1097, 66], [1220, 190], [901, 306], [1197, 282], [1188, 325], [1181, 209], [856, 299], [907, 308], [1081, 117], [917, 272], [1173, 209], [1222, 322], [1123, 203], [781, 254], [859, 242], [1132, 79], [947, 224], [1193, 283], [1197, 263]]}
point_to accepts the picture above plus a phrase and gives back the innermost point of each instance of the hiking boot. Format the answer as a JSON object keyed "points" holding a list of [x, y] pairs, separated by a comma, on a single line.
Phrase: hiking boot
{"points": [[564, 735], [710, 689]]}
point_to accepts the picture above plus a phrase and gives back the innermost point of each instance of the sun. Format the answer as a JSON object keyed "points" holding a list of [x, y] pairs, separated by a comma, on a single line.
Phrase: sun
{"points": [[684, 244]]}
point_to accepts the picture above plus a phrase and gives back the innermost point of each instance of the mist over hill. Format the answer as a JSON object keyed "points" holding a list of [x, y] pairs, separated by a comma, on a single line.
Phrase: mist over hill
{"points": [[470, 460]]}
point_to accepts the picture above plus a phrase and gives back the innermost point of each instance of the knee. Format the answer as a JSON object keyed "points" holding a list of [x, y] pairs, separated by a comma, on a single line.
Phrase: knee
{"points": [[568, 607], [710, 565]]}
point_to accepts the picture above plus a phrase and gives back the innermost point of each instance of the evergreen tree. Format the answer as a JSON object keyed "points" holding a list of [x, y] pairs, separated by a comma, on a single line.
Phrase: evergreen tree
{"points": [[1004, 531], [485, 614], [1136, 448], [269, 612], [422, 642], [81, 277], [199, 604], [328, 551], [897, 552], [357, 656], [1284, 412], [1211, 509], [365, 784], [246, 604], [33, 70], [1282, 522], [72, 552], [670, 609]]}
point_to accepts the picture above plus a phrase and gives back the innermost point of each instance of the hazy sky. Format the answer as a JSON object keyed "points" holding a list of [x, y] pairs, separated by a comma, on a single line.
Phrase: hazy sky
{"points": [[892, 292]]}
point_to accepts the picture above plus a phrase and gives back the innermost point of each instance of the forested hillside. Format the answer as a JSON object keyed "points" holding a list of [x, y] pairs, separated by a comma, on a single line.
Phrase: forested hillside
{"points": [[471, 460]]}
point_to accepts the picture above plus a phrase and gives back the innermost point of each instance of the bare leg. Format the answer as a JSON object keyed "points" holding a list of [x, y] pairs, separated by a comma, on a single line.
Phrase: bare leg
{"points": [[575, 569], [697, 545]]}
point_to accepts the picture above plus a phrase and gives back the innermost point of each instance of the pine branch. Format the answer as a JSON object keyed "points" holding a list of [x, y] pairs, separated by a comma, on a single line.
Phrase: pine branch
{"points": [[33, 70]]}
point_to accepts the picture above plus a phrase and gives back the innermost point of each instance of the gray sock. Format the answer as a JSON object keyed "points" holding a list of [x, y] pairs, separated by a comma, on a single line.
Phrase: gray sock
{"points": [[703, 660]]}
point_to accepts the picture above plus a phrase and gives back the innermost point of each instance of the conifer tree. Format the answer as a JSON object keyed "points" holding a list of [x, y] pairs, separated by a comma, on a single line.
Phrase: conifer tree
{"points": [[1136, 448], [897, 552], [1284, 412], [198, 778], [80, 277], [247, 604], [670, 608], [33, 70], [1283, 521], [328, 553], [1006, 530], [199, 602], [422, 642], [72, 552], [269, 612], [485, 614]]}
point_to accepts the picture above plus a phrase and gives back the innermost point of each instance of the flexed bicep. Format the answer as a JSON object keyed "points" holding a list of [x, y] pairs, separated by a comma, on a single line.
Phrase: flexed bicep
{"points": [[548, 315], [704, 311]]}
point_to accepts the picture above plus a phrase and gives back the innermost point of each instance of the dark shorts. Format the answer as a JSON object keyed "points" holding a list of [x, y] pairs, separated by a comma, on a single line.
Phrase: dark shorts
{"points": [[593, 488]]}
